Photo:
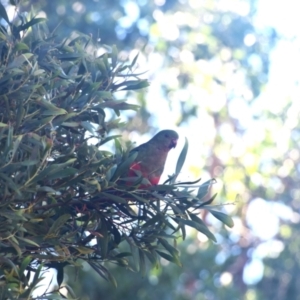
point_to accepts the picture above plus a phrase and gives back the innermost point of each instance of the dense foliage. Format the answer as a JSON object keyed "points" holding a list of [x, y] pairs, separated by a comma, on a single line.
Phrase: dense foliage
{"points": [[65, 200]]}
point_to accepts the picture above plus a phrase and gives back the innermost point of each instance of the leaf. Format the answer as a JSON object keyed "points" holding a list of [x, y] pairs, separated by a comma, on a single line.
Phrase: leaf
{"points": [[5, 260], [88, 126], [124, 166], [12, 240], [201, 227], [209, 201], [114, 56], [103, 241], [132, 85], [152, 256], [55, 170], [134, 252], [123, 254], [114, 198], [109, 138], [203, 189], [21, 46], [157, 218], [28, 241], [11, 184], [103, 272], [227, 220], [19, 60], [60, 222], [46, 189], [51, 108], [169, 257], [59, 174], [134, 60], [118, 104], [16, 144], [196, 219], [37, 277], [142, 263], [173, 251], [25, 262], [31, 23], [3, 13], [182, 157], [71, 124]]}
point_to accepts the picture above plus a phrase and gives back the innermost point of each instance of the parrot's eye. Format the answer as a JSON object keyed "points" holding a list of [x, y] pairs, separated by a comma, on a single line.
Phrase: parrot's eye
{"points": [[166, 135]]}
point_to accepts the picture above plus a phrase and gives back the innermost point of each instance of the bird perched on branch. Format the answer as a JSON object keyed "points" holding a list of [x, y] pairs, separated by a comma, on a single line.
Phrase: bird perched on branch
{"points": [[151, 157]]}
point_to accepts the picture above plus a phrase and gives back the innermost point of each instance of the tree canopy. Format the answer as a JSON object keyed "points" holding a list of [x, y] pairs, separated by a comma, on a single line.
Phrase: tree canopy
{"points": [[64, 200]]}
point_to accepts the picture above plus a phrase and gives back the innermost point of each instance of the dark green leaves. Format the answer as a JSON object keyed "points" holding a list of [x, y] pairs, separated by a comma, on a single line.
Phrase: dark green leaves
{"points": [[65, 198], [124, 166], [227, 220], [3, 13], [182, 156]]}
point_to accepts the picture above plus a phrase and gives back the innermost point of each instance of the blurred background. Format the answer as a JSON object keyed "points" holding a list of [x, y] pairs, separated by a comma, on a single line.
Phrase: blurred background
{"points": [[224, 74]]}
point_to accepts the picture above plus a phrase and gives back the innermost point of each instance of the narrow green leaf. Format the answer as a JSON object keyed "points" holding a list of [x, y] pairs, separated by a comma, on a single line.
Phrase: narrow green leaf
{"points": [[203, 189], [50, 107], [227, 220], [182, 156], [28, 241], [114, 56], [14, 243], [25, 262], [173, 251], [199, 227], [109, 138], [209, 201], [3, 13], [134, 60], [132, 85], [124, 166], [60, 222], [104, 239], [88, 126], [58, 174], [19, 60], [31, 23], [36, 277], [157, 218], [71, 124], [169, 258], [142, 263], [123, 254], [28, 163], [114, 198], [152, 256], [20, 47], [111, 279], [5, 260], [16, 144]]}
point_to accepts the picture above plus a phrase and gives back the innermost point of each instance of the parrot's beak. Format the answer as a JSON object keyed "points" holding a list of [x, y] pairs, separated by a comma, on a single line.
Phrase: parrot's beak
{"points": [[173, 143]]}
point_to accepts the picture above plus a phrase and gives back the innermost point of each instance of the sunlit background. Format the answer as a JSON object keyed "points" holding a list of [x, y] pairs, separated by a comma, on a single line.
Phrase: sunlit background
{"points": [[224, 74]]}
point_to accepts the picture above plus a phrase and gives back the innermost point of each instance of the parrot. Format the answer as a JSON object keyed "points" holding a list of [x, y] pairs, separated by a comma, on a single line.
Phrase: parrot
{"points": [[151, 157]]}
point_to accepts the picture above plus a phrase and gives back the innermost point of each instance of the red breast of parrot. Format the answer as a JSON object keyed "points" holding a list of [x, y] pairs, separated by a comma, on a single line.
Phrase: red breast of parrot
{"points": [[151, 157]]}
